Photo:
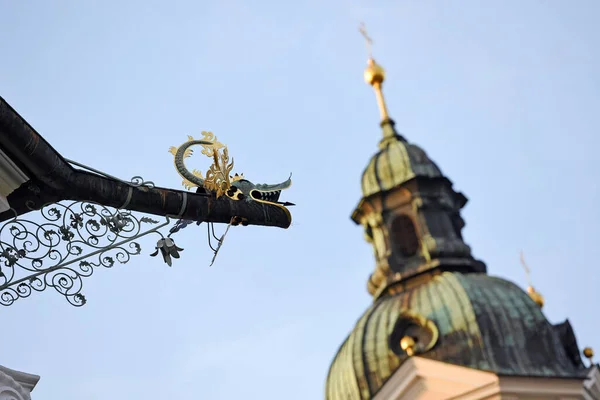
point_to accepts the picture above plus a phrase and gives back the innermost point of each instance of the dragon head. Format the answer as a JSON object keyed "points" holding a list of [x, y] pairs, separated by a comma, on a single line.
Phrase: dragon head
{"points": [[218, 179], [243, 189]]}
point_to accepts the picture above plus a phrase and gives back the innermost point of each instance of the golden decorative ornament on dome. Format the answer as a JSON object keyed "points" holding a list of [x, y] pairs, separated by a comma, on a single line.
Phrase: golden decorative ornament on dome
{"points": [[533, 294], [374, 75], [407, 344], [413, 334], [588, 352]]}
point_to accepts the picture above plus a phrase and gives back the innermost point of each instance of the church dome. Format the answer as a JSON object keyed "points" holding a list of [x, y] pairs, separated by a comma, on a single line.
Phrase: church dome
{"points": [[395, 163], [471, 320]]}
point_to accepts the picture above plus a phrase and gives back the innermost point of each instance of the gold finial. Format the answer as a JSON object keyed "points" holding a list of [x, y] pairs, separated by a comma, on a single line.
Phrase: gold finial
{"points": [[374, 74], [535, 296], [407, 344], [588, 352]]}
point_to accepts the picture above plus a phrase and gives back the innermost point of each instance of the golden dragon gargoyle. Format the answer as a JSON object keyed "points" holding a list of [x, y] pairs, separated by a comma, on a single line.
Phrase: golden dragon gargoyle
{"points": [[218, 179]]}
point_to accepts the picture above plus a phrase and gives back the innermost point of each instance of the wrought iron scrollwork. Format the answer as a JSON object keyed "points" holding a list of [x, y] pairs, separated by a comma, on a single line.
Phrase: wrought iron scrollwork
{"points": [[138, 181], [68, 242]]}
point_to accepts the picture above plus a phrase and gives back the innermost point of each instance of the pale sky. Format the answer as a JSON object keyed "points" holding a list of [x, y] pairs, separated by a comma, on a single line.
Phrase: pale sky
{"points": [[504, 95]]}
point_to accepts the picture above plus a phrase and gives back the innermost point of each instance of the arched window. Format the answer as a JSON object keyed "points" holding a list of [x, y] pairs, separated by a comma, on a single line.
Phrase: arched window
{"points": [[404, 236]]}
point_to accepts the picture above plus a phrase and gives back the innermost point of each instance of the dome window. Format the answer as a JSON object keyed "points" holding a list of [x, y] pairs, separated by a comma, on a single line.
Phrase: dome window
{"points": [[413, 334], [404, 236]]}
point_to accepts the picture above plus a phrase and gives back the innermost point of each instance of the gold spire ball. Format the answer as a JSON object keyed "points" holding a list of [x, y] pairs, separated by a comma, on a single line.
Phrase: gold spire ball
{"points": [[588, 352], [407, 344], [533, 294], [375, 75]]}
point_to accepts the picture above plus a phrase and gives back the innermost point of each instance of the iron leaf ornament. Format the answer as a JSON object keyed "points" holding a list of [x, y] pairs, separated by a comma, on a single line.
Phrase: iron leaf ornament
{"points": [[168, 249]]}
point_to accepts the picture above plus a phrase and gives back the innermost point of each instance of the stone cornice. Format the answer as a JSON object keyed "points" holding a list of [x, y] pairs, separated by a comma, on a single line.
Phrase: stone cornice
{"points": [[16, 385]]}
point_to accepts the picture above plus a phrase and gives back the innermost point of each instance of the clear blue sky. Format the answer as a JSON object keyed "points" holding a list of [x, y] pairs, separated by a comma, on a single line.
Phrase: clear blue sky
{"points": [[503, 95]]}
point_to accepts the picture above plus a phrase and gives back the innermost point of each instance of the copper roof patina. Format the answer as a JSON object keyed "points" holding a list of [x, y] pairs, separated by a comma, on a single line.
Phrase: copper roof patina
{"points": [[484, 323], [464, 318], [397, 162]]}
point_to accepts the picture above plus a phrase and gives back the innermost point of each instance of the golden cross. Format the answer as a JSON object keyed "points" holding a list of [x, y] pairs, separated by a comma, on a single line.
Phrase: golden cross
{"points": [[526, 268], [363, 30]]}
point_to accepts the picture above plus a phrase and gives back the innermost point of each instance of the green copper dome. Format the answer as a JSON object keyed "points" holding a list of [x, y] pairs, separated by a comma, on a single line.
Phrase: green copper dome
{"points": [[396, 163], [482, 322]]}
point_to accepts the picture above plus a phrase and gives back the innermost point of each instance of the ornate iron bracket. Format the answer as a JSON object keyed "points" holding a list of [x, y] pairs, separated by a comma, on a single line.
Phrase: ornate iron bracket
{"points": [[64, 242], [65, 245]]}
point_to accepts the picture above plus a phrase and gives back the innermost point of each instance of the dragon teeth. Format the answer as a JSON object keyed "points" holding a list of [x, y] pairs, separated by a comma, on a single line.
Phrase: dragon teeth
{"points": [[269, 196]]}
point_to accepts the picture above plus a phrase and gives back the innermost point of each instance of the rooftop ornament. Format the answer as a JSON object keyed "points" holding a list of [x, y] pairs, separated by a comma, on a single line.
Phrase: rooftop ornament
{"points": [[588, 352], [533, 294], [81, 219]]}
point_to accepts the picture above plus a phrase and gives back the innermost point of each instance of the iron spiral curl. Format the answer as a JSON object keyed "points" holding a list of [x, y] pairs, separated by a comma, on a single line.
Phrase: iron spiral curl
{"points": [[65, 244]]}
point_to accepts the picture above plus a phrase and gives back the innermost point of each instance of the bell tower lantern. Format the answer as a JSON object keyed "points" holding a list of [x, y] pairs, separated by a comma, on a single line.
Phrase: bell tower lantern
{"points": [[409, 210]]}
